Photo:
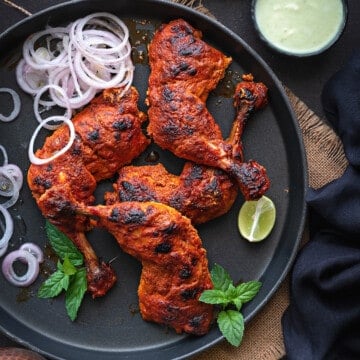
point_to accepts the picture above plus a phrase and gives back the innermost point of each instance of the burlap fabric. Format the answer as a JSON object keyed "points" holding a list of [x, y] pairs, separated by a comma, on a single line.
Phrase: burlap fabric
{"points": [[326, 162]]}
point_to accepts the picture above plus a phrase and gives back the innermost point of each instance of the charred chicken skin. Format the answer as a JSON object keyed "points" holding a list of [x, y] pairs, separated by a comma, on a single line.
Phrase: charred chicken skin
{"points": [[108, 136], [199, 192], [174, 263], [184, 69]]}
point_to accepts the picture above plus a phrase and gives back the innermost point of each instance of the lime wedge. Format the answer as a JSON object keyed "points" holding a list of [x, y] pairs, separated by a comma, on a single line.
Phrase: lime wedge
{"points": [[256, 219]]}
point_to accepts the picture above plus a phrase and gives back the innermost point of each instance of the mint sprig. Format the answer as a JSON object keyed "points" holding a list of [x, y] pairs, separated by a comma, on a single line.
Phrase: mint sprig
{"points": [[75, 293], [62, 245], [69, 276], [230, 298], [231, 325]]}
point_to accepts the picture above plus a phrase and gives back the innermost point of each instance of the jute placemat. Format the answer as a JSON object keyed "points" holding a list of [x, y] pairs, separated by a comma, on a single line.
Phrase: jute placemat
{"points": [[326, 162]]}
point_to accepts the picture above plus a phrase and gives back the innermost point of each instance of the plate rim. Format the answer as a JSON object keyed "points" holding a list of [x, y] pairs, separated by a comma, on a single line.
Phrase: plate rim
{"points": [[279, 87]]}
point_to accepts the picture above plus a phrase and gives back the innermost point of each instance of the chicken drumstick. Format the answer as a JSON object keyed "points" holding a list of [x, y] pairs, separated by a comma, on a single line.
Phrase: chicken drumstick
{"points": [[184, 69], [175, 267], [200, 192]]}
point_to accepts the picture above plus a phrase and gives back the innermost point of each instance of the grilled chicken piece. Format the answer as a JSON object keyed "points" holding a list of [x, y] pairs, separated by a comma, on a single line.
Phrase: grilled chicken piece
{"points": [[174, 263], [108, 136], [249, 97], [184, 69], [200, 192]]}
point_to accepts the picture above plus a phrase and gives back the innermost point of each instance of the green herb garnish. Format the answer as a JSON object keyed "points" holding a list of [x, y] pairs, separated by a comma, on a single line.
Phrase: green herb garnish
{"points": [[62, 245], [69, 276], [230, 298]]}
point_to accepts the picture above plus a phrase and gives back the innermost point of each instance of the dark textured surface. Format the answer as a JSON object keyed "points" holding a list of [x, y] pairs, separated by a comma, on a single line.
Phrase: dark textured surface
{"points": [[305, 77]]}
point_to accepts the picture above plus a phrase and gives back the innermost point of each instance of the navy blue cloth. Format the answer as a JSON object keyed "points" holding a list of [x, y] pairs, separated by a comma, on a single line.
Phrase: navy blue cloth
{"points": [[322, 321]]}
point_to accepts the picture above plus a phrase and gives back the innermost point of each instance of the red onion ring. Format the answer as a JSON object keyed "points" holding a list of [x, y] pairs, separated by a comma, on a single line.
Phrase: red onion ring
{"points": [[38, 161], [91, 77], [52, 89], [78, 94], [34, 250], [17, 105], [101, 40], [11, 188], [14, 190], [4, 248], [11, 180], [32, 268], [8, 229], [13, 173], [113, 24], [34, 59], [5, 155], [30, 80]]}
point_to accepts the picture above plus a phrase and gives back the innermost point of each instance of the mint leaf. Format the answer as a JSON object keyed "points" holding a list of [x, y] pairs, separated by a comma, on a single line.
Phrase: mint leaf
{"points": [[67, 267], [220, 278], [225, 294], [67, 277], [53, 286], [246, 291], [237, 302], [75, 293], [59, 266], [231, 324], [232, 297], [62, 245], [231, 292], [213, 297]]}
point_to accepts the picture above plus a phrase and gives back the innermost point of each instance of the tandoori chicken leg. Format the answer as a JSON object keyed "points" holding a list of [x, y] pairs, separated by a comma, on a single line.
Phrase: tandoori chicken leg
{"points": [[184, 69], [108, 136], [199, 192], [174, 263]]}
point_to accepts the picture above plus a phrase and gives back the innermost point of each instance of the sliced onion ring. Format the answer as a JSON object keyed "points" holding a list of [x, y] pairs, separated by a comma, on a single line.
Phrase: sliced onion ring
{"points": [[5, 155], [34, 59], [30, 80], [36, 160], [13, 173], [15, 191], [78, 94], [120, 29], [17, 105], [4, 248], [63, 96], [32, 268], [34, 250], [8, 229], [101, 39]]}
